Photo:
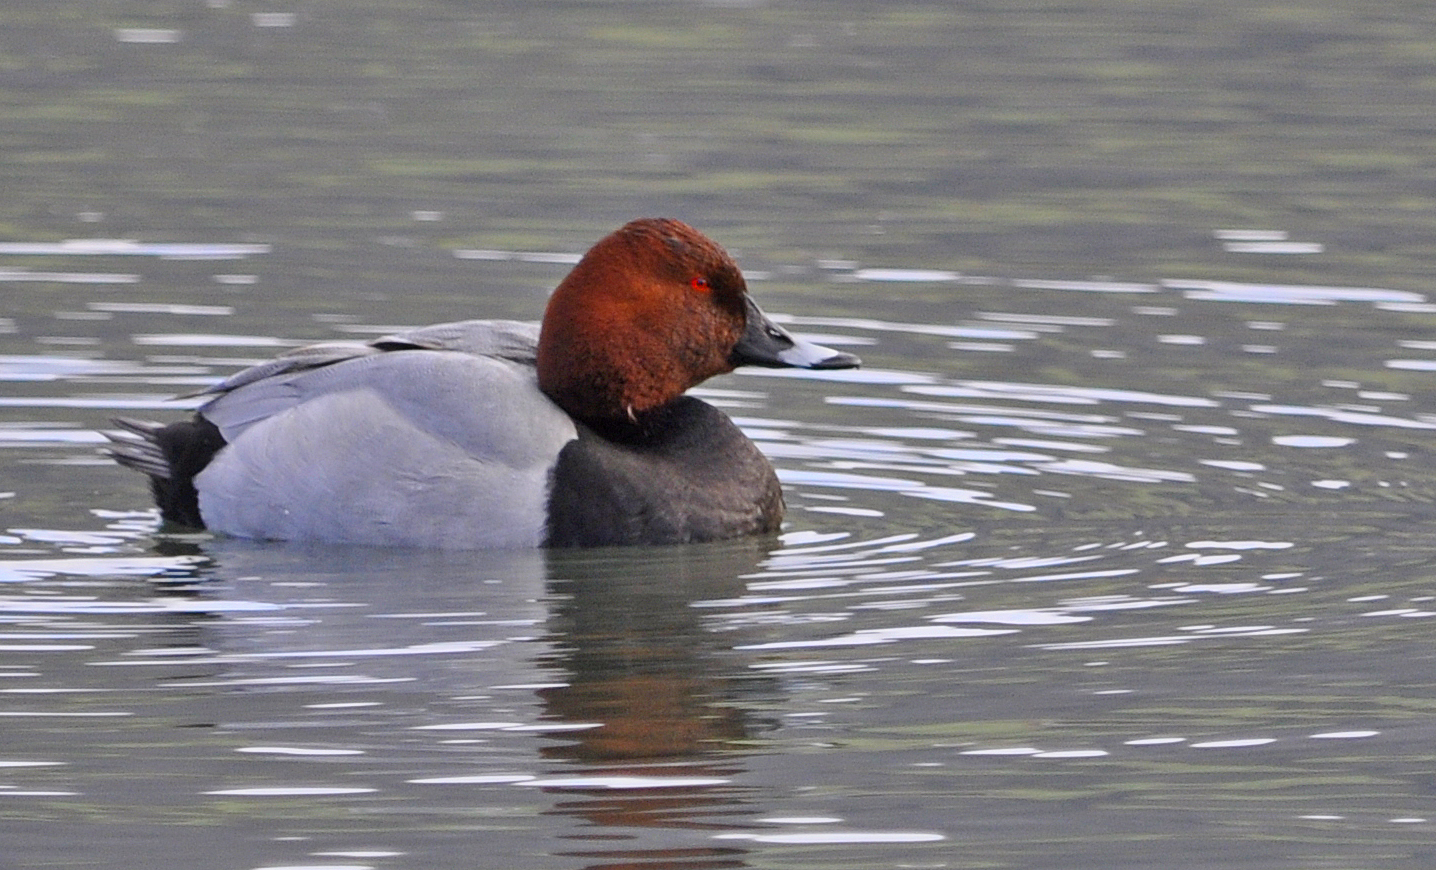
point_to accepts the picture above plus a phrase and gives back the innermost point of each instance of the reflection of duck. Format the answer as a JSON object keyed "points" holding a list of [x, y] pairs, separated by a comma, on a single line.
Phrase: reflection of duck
{"points": [[495, 434], [640, 666], [383, 666]]}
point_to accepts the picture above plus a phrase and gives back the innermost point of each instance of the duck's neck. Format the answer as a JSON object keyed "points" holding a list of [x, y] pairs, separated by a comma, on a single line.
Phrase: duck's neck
{"points": [[641, 427]]}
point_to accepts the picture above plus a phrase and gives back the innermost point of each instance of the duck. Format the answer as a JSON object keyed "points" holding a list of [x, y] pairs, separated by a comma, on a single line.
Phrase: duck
{"points": [[487, 434]]}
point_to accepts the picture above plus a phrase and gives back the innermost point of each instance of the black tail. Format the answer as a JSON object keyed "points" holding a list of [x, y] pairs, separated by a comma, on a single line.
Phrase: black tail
{"points": [[171, 455]]}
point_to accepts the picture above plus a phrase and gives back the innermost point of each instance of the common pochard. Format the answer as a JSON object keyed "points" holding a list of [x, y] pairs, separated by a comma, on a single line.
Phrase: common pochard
{"points": [[490, 433]]}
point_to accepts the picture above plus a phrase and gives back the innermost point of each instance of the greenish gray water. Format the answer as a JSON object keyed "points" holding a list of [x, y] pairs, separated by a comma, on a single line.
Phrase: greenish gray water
{"points": [[1116, 553]]}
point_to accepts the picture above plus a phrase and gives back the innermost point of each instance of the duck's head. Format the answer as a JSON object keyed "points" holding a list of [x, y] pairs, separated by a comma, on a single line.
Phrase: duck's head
{"points": [[653, 309]]}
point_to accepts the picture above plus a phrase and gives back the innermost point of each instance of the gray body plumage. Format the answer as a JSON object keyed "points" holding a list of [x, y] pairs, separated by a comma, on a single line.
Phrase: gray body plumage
{"points": [[438, 437]]}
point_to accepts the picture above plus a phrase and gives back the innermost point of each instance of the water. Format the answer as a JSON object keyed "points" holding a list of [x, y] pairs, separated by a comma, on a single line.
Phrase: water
{"points": [[1116, 553]]}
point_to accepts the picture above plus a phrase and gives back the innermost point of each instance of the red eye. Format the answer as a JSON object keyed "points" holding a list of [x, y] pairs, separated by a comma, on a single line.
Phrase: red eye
{"points": [[699, 283]]}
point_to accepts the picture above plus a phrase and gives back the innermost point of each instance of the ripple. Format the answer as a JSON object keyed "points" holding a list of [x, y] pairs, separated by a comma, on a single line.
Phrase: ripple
{"points": [[51, 436], [835, 837], [1014, 617], [1240, 545], [1200, 560], [1062, 393], [61, 714], [1078, 575], [1312, 441], [1288, 294], [801, 820], [125, 566], [1089, 286], [623, 783], [874, 376], [44, 647], [32, 367], [180, 309], [1119, 643], [1273, 247], [562, 258], [1240, 743], [18, 275], [1112, 471], [110, 403], [60, 605], [1217, 588], [906, 486], [298, 751], [905, 275], [1337, 415], [1412, 365], [172, 339], [498, 725], [874, 636], [292, 791], [133, 248], [476, 779]]}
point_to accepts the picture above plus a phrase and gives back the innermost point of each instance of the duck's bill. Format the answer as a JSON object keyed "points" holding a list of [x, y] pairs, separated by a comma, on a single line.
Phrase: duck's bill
{"points": [[765, 343]]}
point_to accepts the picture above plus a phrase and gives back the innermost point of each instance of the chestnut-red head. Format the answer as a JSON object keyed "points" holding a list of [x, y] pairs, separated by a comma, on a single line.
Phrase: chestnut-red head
{"points": [[653, 309]]}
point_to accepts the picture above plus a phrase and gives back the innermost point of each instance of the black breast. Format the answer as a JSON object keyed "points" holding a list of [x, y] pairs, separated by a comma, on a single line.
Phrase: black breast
{"points": [[686, 473]]}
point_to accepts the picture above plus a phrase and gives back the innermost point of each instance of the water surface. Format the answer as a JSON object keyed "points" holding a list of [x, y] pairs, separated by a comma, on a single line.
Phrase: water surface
{"points": [[1116, 553]]}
